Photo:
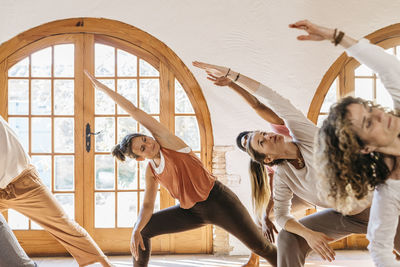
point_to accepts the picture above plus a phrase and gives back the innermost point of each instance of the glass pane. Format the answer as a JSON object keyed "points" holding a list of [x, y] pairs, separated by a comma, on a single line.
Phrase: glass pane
{"points": [[187, 129], [364, 88], [64, 135], [363, 70], [127, 174], [146, 69], [35, 226], [127, 209], [390, 51], [182, 103], [104, 60], [17, 221], [126, 125], [104, 141], [150, 95], [321, 119], [41, 97], [104, 213], [41, 63], [104, 168], [383, 97], [64, 60], [21, 69], [142, 169], [64, 97], [67, 202], [143, 130], [103, 103], [18, 97], [64, 173], [127, 64], [398, 52], [128, 89], [21, 128], [41, 135], [330, 98], [43, 166]]}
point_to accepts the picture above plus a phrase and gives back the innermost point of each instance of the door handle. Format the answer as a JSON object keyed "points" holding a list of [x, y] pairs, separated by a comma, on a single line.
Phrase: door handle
{"points": [[88, 139]]}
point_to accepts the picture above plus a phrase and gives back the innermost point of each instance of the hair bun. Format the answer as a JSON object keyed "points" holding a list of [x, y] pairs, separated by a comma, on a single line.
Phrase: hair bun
{"points": [[239, 140], [117, 152]]}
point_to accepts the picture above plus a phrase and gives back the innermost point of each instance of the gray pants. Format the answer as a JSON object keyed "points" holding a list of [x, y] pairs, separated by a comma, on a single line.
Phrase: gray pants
{"points": [[11, 253], [293, 249]]}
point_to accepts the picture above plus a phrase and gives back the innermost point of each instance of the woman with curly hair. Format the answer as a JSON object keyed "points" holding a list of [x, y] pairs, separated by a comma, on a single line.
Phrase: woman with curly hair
{"points": [[358, 147], [295, 174]]}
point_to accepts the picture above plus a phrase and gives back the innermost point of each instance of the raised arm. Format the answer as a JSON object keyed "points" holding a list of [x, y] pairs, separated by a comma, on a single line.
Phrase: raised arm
{"points": [[387, 66], [159, 131], [262, 110], [302, 129], [146, 211]]}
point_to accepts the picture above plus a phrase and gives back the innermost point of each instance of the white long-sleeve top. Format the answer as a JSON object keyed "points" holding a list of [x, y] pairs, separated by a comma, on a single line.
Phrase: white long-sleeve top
{"points": [[13, 158], [288, 179], [385, 209]]}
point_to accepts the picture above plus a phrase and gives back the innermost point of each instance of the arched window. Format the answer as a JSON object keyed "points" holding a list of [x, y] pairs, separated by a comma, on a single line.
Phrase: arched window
{"points": [[347, 77], [50, 104]]}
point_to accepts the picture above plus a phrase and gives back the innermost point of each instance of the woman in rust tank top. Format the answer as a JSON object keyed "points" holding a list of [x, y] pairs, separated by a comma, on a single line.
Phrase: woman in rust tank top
{"points": [[203, 200]]}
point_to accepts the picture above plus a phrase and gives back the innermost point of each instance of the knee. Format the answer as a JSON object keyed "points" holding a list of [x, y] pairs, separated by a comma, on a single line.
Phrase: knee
{"points": [[287, 240]]}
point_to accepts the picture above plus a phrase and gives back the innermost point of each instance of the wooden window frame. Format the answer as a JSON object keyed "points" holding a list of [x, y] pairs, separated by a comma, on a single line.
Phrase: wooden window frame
{"points": [[147, 47]]}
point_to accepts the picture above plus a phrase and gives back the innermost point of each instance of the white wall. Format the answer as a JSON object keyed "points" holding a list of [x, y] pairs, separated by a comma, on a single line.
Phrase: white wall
{"points": [[250, 36]]}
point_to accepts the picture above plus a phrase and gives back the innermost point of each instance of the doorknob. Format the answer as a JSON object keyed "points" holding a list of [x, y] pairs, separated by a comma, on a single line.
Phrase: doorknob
{"points": [[88, 139]]}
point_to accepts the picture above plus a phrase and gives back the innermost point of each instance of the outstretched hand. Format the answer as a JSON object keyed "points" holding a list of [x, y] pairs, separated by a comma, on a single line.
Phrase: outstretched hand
{"points": [[269, 229], [315, 32], [220, 81], [319, 242], [212, 70], [136, 244]]}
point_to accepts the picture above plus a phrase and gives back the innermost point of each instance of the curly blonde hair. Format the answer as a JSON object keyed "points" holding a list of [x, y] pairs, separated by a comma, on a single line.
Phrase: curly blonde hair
{"points": [[348, 176]]}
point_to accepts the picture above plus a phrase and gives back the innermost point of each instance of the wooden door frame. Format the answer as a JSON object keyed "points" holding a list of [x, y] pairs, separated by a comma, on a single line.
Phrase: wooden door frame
{"points": [[149, 46]]}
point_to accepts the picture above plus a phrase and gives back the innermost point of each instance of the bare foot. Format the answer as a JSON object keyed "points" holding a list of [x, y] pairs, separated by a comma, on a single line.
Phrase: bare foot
{"points": [[254, 261]]}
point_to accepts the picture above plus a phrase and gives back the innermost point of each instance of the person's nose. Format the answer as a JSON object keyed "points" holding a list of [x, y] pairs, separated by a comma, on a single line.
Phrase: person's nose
{"points": [[379, 115]]}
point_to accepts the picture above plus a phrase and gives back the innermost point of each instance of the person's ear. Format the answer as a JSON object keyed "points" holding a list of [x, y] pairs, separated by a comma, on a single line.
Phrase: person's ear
{"points": [[140, 158], [268, 159], [368, 149]]}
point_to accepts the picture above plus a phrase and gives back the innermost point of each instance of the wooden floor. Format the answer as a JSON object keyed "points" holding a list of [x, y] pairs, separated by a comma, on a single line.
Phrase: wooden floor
{"points": [[344, 258]]}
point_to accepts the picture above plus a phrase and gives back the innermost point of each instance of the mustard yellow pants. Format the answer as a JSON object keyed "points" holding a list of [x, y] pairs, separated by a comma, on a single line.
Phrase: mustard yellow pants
{"points": [[28, 195]]}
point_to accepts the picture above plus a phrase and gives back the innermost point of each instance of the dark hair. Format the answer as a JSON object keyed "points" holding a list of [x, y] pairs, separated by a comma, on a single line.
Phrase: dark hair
{"points": [[239, 140], [123, 149], [338, 152]]}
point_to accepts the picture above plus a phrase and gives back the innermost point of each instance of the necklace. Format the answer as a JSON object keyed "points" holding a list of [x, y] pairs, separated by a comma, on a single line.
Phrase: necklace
{"points": [[298, 162]]}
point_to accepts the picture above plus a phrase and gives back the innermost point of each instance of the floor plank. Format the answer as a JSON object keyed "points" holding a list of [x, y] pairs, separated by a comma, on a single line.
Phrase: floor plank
{"points": [[344, 258]]}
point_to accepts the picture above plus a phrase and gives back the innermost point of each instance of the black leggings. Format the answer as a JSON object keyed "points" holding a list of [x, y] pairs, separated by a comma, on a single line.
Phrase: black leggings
{"points": [[222, 208]]}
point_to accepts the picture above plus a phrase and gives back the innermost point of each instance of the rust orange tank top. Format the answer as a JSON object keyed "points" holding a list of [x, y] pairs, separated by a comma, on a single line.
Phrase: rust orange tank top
{"points": [[185, 177]]}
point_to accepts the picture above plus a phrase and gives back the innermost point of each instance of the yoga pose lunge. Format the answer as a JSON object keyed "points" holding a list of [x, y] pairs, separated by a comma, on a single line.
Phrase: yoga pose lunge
{"points": [[358, 147], [203, 200], [21, 189], [261, 175], [295, 174]]}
